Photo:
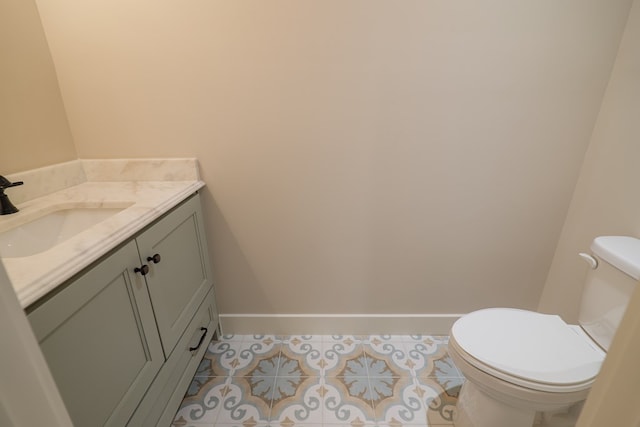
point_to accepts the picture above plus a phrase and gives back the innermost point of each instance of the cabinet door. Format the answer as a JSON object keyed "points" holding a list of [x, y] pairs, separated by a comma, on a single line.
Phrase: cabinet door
{"points": [[99, 338], [180, 281]]}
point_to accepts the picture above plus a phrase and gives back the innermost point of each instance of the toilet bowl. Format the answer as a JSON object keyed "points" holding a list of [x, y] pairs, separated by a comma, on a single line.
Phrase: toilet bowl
{"points": [[522, 366], [518, 363]]}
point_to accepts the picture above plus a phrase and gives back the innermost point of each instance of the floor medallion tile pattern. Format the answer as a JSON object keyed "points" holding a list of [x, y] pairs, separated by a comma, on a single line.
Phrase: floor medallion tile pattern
{"points": [[322, 380]]}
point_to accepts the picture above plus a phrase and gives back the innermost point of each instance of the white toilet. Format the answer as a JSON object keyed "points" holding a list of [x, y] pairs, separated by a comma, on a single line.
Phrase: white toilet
{"points": [[520, 363]]}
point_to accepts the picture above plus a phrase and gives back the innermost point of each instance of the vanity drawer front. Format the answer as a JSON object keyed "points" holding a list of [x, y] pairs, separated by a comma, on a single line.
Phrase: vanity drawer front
{"points": [[181, 278], [99, 338], [165, 395]]}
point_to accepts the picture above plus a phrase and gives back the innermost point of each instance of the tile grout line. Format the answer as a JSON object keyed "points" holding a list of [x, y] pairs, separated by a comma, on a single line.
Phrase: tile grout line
{"points": [[275, 382]]}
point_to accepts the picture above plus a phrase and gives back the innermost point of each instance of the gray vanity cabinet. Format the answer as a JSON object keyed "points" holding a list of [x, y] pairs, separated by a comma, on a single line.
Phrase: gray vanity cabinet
{"points": [[121, 339]]}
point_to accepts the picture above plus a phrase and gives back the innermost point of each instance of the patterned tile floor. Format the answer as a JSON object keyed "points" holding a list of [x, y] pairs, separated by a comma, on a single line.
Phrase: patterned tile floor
{"points": [[322, 380]]}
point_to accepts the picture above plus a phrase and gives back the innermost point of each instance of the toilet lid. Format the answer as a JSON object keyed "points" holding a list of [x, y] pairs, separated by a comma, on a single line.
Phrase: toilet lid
{"points": [[537, 347]]}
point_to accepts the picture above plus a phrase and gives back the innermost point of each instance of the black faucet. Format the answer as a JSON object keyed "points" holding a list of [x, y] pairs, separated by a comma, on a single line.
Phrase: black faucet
{"points": [[6, 207]]}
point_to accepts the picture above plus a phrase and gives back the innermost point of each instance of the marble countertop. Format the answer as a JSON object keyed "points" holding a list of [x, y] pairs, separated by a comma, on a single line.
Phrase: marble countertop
{"points": [[145, 189]]}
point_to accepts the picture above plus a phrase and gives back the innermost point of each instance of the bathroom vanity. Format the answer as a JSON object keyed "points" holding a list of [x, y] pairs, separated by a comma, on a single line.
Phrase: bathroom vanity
{"points": [[123, 335]]}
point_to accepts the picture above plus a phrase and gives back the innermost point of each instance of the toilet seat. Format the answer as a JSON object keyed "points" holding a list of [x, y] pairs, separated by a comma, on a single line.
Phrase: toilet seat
{"points": [[533, 350]]}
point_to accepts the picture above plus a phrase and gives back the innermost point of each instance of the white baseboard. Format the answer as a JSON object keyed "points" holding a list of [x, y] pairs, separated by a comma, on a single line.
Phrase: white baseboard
{"points": [[325, 324]]}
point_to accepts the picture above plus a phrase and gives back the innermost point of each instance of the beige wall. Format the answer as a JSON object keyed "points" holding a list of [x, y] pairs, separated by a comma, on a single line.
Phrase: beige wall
{"points": [[361, 156], [606, 199], [33, 125]]}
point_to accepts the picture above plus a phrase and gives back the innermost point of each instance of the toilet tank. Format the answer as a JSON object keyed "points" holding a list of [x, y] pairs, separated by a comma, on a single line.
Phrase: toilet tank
{"points": [[609, 286]]}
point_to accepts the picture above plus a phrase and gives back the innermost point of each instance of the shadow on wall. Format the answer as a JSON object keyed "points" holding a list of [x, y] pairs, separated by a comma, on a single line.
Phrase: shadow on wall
{"points": [[229, 260]]}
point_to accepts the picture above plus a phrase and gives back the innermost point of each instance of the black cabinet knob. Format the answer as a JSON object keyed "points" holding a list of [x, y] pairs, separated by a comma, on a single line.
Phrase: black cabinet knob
{"points": [[155, 258], [144, 270]]}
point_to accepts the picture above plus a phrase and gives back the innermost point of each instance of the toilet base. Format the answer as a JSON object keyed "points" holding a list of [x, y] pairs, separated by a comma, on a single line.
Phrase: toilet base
{"points": [[477, 409], [560, 418]]}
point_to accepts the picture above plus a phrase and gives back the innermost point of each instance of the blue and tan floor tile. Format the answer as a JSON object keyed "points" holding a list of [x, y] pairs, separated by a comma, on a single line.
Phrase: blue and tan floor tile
{"points": [[313, 381]]}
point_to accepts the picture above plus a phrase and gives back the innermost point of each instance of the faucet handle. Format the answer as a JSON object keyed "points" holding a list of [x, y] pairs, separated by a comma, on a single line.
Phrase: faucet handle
{"points": [[5, 183]]}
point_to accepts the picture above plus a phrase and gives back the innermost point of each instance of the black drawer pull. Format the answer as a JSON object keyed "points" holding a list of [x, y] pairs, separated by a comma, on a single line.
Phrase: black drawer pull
{"points": [[201, 339], [155, 258], [144, 270]]}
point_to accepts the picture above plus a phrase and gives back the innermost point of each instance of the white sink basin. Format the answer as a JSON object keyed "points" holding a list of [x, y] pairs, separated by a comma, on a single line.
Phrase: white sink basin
{"points": [[45, 232]]}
